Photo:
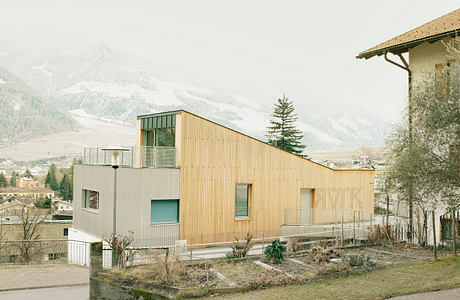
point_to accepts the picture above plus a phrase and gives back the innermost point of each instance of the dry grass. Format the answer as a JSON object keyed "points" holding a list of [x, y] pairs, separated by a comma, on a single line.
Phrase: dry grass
{"points": [[244, 273], [380, 284]]}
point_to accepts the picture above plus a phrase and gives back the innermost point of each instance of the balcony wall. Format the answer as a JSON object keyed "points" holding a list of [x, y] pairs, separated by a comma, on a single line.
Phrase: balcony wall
{"points": [[135, 157]]}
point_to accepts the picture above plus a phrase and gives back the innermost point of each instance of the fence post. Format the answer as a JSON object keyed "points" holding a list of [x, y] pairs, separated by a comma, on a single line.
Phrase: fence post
{"points": [[191, 249], [263, 242], [354, 228], [336, 216]]}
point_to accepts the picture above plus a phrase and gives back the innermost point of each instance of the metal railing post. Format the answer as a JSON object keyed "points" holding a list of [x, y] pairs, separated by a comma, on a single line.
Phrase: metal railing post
{"points": [[342, 229], [354, 228]]}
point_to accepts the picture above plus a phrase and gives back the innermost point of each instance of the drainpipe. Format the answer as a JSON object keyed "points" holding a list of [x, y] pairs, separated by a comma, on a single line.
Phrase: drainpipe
{"points": [[409, 75]]}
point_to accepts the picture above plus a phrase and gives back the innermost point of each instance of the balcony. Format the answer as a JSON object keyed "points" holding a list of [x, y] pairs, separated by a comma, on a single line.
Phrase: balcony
{"points": [[136, 157]]}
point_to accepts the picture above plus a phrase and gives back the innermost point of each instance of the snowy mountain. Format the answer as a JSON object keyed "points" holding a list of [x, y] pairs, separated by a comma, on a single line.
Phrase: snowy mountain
{"points": [[117, 88]]}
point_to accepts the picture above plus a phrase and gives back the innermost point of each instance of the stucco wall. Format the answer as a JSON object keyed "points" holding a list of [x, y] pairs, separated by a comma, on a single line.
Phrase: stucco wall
{"points": [[424, 57]]}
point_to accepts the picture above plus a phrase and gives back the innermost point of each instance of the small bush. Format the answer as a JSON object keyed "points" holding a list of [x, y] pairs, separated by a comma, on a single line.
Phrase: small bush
{"points": [[240, 250], [360, 260], [274, 252], [380, 234]]}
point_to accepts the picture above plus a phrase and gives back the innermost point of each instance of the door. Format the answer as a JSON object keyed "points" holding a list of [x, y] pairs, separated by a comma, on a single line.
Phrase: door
{"points": [[306, 199]]}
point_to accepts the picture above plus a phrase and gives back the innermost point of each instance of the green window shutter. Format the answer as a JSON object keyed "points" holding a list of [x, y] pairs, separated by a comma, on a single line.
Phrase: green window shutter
{"points": [[164, 211], [242, 200]]}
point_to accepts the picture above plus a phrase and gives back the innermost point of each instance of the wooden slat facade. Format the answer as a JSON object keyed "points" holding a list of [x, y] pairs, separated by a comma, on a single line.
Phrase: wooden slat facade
{"points": [[213, 159]]}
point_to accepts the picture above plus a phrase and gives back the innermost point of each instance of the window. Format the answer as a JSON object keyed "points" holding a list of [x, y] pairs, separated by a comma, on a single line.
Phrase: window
{"points": [[90, 199], [161, 137], [55, 256], [164, 211], [242, 196], [66, 231]]}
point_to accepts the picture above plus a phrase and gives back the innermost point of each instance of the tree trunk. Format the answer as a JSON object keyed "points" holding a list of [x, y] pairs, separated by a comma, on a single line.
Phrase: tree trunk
{"points": [[388, 208], [434, 236]]}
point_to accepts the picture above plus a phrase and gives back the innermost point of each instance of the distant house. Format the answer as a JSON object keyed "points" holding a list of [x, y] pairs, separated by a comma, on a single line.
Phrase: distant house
{"points": [[25, 193], [426, 49], [62, 206], [192, 179]]}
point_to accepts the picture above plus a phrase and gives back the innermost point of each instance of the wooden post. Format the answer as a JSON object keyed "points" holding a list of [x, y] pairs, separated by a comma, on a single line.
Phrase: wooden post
{"points": [[454, 232], [434, 236], [263, 242], [191, 250]]}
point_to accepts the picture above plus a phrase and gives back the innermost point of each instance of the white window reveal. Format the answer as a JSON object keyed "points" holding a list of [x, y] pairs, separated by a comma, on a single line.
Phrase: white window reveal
{"points": [[90, 199]]}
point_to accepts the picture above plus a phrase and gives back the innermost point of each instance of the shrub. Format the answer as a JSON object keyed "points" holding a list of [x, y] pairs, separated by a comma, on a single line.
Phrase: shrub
{"points": [[379, 234], [274, 252], [360, 260], [240, 250]]}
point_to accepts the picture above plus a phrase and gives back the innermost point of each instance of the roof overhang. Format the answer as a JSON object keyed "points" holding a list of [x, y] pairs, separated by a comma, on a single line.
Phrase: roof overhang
{"points": [[404, 47]]}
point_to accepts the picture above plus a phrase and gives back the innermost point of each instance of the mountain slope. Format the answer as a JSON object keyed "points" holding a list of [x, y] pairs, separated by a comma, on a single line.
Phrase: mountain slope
{"points": [[25, 114], [117, 88]]}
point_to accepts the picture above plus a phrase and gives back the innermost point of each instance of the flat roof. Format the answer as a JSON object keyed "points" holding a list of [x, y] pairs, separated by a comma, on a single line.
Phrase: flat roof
{"points": [[447, 25]]}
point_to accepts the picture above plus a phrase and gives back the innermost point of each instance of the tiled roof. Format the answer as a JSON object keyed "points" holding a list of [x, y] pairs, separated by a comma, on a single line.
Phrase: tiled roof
{"points": [[443, 26]]}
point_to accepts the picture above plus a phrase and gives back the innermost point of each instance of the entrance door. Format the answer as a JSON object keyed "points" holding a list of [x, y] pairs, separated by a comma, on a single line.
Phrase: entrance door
{"points": [[306, 198]]}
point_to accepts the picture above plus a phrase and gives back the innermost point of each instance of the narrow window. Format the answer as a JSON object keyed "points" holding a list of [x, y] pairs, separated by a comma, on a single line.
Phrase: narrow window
{"points": [[66, 231], [164, 211], [242, 196], [90, 199]]}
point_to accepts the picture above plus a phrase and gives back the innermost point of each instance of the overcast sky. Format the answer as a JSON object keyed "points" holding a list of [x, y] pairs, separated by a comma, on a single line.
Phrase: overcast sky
{"points": [[259, 49]]}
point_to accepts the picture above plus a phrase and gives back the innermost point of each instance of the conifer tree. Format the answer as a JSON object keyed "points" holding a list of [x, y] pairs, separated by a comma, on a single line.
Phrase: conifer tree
{"points": [[28, 174], [65, 187], [14, 175], [50, 179], [282, 132], [3, 181]]}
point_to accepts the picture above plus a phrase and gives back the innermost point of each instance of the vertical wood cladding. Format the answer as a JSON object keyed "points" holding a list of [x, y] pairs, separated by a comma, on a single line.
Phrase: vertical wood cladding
{"points": [[213, 159]]}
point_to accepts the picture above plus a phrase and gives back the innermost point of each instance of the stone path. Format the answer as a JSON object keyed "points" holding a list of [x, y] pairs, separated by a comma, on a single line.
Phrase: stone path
{"points": [[39, 276], [452, 294]]}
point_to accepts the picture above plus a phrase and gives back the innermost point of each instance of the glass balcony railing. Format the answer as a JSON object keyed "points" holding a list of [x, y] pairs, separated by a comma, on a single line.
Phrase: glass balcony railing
{"points": [[135, 157]]}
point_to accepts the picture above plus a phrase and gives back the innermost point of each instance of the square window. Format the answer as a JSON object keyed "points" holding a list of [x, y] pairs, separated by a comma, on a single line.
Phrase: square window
{"points": [[90, 199], [242, 197], [164, 211]]}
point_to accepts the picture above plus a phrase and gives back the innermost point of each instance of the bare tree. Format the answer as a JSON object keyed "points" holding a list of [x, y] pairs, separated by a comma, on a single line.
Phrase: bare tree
{"points": [[30, 219]]}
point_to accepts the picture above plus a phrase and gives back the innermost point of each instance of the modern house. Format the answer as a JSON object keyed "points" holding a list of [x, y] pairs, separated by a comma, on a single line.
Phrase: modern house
{"points": [[427, 52], [189, 178]]}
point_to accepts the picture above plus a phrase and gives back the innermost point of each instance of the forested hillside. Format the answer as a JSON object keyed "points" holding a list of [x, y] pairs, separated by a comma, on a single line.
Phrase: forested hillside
{"points": [[26, 114]]}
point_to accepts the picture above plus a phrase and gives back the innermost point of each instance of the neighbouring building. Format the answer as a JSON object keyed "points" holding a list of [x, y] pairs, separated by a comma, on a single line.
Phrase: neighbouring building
{"points": [[189, 178], [427, 51], [28, 193]]}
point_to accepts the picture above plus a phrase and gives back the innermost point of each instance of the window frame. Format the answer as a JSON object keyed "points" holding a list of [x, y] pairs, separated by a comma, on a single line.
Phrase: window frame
{"points": [[249, 196], [85, 200]]}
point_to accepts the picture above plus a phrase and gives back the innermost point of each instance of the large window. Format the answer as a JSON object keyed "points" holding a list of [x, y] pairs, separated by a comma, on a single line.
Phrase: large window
{"points": [[90, 199], [164, 211], [242, 197], [161, 137]]}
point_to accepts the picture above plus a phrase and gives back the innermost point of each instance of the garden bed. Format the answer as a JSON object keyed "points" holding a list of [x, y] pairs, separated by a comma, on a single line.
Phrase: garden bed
{"points": [[214, 276]]}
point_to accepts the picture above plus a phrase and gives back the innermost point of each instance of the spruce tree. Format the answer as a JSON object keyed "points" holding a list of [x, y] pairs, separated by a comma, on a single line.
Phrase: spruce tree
{"points": [[50, 179], [282, 132], [65, 187], [28, 174], [3, 181], [13, 179]]}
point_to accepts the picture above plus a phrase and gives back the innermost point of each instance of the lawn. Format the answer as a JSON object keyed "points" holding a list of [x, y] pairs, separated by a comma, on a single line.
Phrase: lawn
{"points": [[379, 284]]}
